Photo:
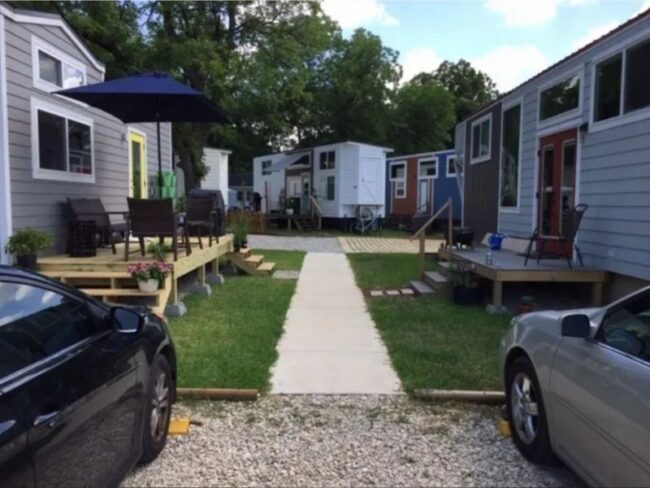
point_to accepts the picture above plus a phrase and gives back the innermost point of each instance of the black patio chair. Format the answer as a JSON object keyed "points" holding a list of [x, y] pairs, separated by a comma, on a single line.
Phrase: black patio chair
{"points": [[154, 218], [92, 209], [571, 219], [200, 215]]}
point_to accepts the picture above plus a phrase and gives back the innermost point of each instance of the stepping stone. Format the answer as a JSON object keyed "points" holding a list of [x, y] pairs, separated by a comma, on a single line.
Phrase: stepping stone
{"points": [[392, 293], [376, 293], [435, 277], [407, 292], [421, 288]]}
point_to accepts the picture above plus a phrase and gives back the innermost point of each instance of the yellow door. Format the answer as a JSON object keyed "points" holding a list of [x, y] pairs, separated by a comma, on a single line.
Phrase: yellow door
{"points": [[137, 165]]}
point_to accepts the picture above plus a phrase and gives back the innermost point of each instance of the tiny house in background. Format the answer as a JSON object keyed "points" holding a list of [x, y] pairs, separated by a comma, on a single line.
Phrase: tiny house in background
{"points": [[217, 178], [419, 184]]}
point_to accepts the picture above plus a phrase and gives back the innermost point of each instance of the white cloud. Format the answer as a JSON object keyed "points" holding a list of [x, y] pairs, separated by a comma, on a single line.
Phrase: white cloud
{"points": [[351, 14], [594, 33], [528, 13], [510, 65], [418, 60]]}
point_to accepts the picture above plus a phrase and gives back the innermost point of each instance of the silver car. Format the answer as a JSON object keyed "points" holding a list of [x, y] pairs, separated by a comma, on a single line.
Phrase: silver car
{"points": [[577, 386]]}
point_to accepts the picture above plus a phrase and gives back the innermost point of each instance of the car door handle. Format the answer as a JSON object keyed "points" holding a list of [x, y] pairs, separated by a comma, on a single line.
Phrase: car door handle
{"points": [[49, 418]]}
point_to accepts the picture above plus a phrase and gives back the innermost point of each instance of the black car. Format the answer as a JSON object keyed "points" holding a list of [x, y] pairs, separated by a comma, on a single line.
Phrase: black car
{"points": [[85, 389]]}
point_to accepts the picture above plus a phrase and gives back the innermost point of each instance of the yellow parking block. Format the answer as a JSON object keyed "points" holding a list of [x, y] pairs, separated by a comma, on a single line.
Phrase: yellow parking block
{"points": [[504, 428], [180, 426]]}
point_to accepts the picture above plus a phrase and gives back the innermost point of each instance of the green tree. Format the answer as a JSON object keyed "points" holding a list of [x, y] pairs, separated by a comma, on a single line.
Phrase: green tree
{"points": [[470, 87], [422, 118], [355, 87]]}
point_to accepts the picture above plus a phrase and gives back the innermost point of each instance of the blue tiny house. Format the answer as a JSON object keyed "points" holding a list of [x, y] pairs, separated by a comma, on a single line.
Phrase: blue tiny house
{"points": [[421, 184]]}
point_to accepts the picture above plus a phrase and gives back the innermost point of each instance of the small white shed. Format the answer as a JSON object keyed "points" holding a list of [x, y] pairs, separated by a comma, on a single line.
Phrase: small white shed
{"points": [[217, 178], [341, 176]]}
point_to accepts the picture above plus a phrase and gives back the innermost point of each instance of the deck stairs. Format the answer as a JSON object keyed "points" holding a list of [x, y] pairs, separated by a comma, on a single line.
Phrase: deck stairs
{"points": [[252, 264], [112, 287], [434, 281], [305, 223]]}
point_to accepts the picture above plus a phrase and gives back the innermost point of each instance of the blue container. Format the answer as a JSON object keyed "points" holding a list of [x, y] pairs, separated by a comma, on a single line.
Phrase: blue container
{"points": [[495, 241]]}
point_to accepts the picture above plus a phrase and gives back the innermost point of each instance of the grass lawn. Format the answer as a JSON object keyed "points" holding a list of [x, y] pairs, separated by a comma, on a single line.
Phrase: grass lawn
{"points": [[432, 342], [227, 340], [284, 260]]}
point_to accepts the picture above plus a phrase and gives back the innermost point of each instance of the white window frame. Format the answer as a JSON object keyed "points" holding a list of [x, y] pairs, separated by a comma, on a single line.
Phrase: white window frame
{"points": [[264, 171], [569, 114], [330, 165], [60, 111], [450, 164], [401, 180], [436, 161], [622, 118], [39, 44], [488, 156], [504, 108]]}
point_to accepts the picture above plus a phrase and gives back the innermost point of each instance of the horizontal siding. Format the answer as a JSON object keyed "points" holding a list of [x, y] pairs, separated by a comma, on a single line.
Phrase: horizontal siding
{"points": [[41, 203], [446, 187]]}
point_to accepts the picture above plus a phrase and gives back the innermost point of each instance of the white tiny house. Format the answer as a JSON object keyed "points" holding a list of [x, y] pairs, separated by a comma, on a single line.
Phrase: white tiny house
{"points": [[342, 177], [217, 178]]}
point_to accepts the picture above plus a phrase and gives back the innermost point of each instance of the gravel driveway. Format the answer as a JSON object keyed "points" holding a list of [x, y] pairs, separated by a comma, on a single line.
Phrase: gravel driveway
{"points": [[297, 243], [342, 441]]}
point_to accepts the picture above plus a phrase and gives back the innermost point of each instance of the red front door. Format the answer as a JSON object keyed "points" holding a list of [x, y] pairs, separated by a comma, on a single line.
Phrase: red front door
{"points": [[557, 185]]}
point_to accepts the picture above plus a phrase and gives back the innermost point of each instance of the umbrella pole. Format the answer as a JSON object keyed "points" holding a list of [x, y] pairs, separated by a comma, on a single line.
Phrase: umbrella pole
{"points": [[160, 175]]}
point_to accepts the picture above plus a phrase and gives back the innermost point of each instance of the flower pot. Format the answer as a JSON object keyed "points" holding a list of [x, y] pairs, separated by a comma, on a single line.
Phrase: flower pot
{"points": [[289, 211], [148, 286], [26, 261], [464, 295]]}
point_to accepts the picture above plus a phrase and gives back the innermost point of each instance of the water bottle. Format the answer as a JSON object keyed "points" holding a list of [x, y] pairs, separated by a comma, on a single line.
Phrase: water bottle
{"points": [[488, 258]]}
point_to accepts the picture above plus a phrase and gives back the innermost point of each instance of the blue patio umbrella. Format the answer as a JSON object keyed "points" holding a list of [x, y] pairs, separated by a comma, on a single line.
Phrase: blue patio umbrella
{"points": [[149, 97]]}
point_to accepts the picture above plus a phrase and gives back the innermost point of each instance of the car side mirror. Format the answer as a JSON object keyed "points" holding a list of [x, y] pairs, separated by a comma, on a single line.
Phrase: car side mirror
{"points": [[578, 326], [125, 320]]}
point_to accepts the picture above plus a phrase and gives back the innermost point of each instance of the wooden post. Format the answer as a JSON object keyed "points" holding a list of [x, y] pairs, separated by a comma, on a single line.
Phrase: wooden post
{"points": [[320, 222], [202, 274], [173, 296], [450, 224], [422, 256], [497, 293], [597, 293], [266, 196]]}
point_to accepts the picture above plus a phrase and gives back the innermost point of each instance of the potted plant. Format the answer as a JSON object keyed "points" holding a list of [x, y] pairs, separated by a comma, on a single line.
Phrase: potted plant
{"points": [[465, 287], [149, 275], [240, 231], [159, 250], [525, 305], [289, 205], [25, 243]]}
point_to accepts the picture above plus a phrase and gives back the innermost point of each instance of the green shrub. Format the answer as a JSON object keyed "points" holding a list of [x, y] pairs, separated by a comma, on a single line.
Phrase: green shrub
{"points": [[28, 241]]}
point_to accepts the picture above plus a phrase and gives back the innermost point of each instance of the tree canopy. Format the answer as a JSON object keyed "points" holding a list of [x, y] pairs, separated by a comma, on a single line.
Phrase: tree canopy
{"points": [[283, 71]]}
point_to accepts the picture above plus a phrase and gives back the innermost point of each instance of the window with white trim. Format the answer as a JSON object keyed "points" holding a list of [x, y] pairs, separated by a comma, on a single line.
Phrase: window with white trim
{"points": [[328, 187], [429, 168], [62, 144], [560, 98], [622, 82], [266, 164], [54, 70], [481, 139], [451, 166], [398, 179], [510, 149], [328, 160]]}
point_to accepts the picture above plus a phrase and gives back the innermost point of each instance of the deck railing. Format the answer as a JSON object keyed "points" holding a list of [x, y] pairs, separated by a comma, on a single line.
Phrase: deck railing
{"points": [[316, 209], [422, 231]]}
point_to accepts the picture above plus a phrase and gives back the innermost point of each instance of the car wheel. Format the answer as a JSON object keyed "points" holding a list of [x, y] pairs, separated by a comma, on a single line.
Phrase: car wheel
{"points": [[157, 410], [526, 412]]}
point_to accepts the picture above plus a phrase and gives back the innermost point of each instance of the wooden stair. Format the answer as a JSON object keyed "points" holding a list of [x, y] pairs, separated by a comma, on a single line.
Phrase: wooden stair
{"points": [[252, 264], [304, 223]]}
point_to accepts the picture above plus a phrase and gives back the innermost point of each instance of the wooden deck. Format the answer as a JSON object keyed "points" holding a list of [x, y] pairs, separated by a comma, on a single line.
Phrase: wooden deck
{"points": [[105, 275], [508, 267]]}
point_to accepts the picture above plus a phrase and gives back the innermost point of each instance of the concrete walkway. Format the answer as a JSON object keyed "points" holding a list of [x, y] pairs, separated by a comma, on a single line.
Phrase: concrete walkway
{"points": [[330, 343], [294, 243]]}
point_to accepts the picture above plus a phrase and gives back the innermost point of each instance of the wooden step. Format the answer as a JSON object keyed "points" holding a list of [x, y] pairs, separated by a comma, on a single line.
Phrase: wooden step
{"points": [[119, 292], [421, 288], [255, 260], [266, 268], [435, 278], [245, 252], [87, 274]]}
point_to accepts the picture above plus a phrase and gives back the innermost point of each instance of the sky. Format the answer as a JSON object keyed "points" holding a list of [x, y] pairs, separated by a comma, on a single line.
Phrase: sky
{"points": [[510, 40]]}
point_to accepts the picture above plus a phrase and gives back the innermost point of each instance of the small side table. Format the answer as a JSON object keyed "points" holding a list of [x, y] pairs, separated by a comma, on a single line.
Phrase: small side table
{"points": [[83, 239]]}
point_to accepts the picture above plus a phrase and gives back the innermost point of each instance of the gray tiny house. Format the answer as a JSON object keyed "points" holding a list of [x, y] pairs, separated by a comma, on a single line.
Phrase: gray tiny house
{"points": [[52, 147], [576, 133]]}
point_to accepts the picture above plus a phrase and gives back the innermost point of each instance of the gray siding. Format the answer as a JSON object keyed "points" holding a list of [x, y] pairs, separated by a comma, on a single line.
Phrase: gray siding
{"points": [[614, 170], [40, 203]]}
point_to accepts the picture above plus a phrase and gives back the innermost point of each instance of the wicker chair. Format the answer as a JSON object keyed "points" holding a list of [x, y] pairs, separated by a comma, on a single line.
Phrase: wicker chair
{"points": [[154, 218], [93, 209], [571, 219], [200, 215]]}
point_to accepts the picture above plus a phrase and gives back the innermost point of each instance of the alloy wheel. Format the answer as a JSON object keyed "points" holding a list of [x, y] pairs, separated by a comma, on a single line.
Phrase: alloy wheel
{"points": [[523, 404], [159, 406]]}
